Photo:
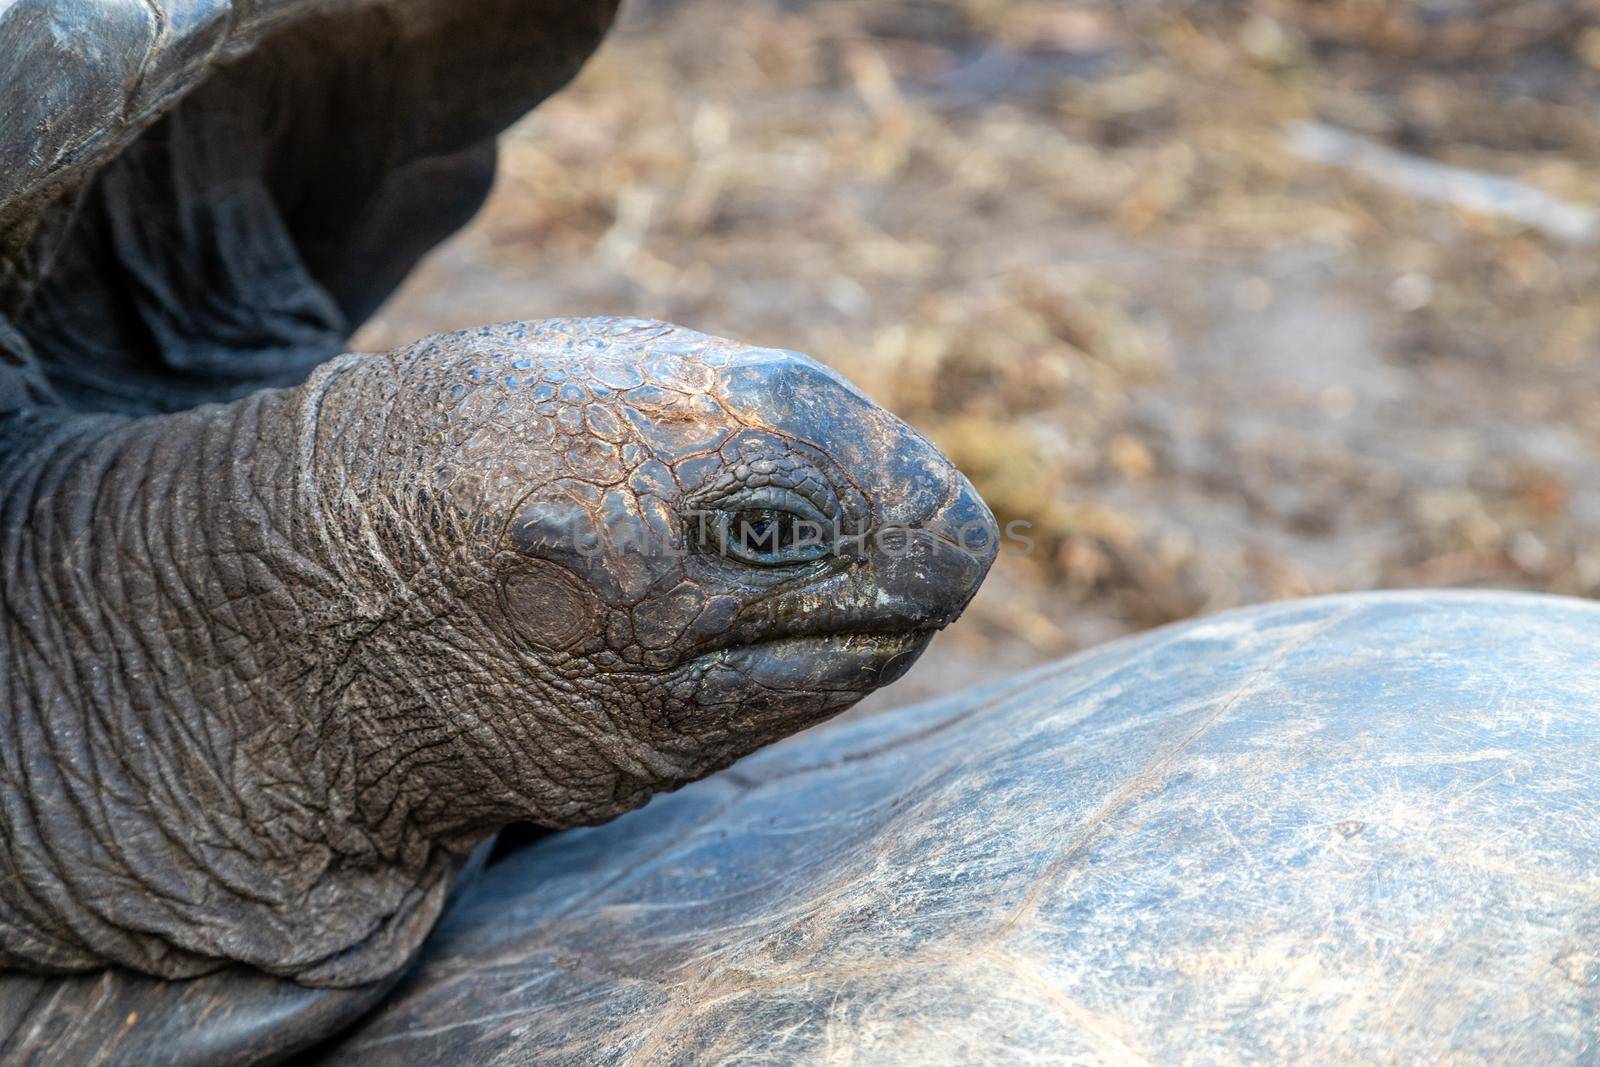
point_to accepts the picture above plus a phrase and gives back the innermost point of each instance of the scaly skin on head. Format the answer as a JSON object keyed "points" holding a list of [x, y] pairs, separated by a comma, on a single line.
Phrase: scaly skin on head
{"points": [[274, 668]]}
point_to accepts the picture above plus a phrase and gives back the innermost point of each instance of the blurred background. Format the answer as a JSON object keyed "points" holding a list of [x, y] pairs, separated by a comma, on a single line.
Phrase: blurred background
{"points": [[1230, 301]]}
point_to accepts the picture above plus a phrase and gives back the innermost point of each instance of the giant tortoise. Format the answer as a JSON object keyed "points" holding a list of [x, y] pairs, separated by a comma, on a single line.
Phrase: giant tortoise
{"points": [[291, 633]]}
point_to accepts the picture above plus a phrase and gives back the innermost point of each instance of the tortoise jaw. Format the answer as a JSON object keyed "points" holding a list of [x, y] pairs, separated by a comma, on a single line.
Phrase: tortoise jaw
{"points": [[856, 662]]}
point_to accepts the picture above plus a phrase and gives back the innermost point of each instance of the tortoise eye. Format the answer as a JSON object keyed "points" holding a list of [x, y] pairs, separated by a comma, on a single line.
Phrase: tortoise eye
{"points": [[766, 537], [764, 531]]}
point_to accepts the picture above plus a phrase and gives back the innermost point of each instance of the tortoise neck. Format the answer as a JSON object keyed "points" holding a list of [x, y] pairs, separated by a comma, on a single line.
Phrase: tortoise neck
{"points": [[181, 629]]}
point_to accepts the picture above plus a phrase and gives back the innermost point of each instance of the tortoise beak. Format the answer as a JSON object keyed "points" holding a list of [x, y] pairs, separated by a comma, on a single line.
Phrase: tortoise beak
{"points": [[844, 662], [929, 571]]}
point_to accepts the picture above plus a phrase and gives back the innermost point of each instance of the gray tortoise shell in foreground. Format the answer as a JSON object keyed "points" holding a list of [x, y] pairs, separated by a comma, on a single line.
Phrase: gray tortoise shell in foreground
{"points": [[1354, 829], [288, 633]]}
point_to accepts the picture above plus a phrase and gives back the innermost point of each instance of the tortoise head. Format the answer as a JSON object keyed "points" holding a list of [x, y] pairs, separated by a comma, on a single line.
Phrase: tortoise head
{"points": [[644, 552], [321, 638]]}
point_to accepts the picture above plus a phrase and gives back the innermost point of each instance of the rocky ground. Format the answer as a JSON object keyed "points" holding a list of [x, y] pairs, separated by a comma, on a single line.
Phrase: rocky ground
{"points": [[1096, 252]]}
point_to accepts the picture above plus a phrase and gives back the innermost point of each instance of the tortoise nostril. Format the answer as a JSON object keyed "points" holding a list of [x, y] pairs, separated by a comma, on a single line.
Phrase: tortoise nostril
{"points": [[973, 524]]}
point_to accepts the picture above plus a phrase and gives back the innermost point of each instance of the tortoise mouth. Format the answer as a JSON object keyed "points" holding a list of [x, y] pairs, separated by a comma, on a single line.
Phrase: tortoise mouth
{"points": [[857, 661]]}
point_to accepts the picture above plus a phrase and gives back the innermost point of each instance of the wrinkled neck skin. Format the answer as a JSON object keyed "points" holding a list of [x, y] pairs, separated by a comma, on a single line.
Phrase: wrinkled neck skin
{"points": [[209, 779]]}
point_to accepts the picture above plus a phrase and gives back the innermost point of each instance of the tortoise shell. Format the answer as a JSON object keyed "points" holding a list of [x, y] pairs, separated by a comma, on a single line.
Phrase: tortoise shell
{"points": [[1355, 829]]}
